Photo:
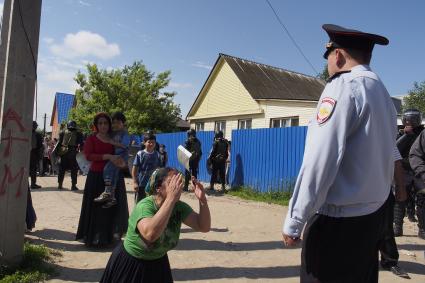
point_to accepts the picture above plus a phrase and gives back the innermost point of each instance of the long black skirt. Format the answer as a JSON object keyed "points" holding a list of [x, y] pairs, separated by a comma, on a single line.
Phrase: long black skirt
{"points": [[123, 267], [100, 226], [30, 217]]}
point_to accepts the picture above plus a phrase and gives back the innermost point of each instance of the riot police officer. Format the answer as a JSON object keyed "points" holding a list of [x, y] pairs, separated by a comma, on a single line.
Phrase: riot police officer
{"points": [[218, 157], [193, 145], [69, 143], [35, 155], [412, 120], [417, 162]]}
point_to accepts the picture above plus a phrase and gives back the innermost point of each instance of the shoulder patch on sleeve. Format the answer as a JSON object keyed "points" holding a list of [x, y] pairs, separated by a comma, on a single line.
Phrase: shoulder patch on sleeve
{"points": [[326, 108]]}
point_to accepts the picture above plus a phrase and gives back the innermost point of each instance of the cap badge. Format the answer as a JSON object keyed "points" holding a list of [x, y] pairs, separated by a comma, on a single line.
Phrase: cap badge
{"points": [[326, 108]]}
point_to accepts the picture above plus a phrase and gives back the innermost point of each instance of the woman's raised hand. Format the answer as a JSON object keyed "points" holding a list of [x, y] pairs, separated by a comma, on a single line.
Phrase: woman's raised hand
{"points": [[174, 187], [199, 190]]}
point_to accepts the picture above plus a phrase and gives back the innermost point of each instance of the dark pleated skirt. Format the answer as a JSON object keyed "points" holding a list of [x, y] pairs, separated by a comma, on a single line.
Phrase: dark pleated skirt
{"points": [[31, 217], [123, 267], [100, 227]]}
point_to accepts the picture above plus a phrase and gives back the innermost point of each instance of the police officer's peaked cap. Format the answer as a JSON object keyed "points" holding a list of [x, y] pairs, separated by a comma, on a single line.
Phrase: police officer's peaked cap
{"points": [[340, 37]]}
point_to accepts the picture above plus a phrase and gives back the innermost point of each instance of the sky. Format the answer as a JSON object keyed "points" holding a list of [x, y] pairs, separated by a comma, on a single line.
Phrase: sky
{"points": [[187, 36]]}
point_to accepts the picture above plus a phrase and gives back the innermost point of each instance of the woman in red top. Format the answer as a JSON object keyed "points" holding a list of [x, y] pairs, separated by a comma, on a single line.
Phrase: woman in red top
{"points": [[99, 226]]}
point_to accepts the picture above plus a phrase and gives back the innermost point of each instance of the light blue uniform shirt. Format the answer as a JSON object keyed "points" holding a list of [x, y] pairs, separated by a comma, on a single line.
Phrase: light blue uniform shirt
{"points": [[348, 160]]}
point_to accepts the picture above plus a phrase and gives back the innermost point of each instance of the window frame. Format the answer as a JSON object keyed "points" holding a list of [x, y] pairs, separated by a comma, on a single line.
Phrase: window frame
{"points": [[284, 120]]}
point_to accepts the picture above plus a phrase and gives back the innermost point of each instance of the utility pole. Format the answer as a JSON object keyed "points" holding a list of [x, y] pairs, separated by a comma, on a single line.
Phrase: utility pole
{"points": [[44, 129], [19, 48]]}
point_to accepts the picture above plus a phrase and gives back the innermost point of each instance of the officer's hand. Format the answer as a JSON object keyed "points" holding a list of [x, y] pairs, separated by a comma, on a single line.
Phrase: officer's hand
{"points": [[400, 194], [408, 129], [289, 241], [135, 187]]}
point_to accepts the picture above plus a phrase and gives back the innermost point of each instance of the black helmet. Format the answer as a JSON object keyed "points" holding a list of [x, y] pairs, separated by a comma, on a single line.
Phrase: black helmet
{"points": [[191, 132], [34, 125], [219, 135], [413, 117], [72, 125]]}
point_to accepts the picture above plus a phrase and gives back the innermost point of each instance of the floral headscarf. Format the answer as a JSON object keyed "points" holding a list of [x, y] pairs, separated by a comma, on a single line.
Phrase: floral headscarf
{"points": [[156, 179]]}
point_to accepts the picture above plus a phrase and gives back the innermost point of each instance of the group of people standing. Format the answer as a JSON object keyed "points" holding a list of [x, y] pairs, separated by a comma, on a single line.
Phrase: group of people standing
{"points": [[55, 156], [153, 228], [342, 199]]}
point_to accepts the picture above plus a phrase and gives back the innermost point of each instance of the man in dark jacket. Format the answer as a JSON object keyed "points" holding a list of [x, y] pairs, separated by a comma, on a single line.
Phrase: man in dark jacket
{"points": [[193, 145], [218, 157], [417, 162], [35, 155], [412, 120], [69, 143]]}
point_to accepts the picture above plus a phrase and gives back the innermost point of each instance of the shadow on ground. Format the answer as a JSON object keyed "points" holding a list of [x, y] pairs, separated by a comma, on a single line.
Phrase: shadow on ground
{"points": [[413, 267], [219, 230], [53, 234], [77, 274], [198, 244], [411, 247], [209, 273]]}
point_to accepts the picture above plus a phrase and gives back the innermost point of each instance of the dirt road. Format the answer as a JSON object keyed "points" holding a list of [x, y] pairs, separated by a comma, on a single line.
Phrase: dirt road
{"points": [[243, 246]]}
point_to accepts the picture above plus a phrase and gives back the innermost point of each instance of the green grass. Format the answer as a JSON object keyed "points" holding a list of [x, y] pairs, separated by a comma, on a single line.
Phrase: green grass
{"points": [[34, 267], [276, 197]]}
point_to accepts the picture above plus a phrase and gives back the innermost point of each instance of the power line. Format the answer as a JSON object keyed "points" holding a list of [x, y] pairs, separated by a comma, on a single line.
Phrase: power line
{"points": [[292, 39]]}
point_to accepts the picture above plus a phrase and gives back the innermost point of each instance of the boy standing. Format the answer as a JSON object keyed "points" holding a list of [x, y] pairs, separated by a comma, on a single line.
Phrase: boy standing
{"points": [[145, 162], [121, 141]]}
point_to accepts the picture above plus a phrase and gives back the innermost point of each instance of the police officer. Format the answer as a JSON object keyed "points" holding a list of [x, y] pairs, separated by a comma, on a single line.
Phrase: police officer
{"points": [[35, 154], [69, 143], [346, 173], [218, 157], [417, 162], [193, 145], [412, 120]]}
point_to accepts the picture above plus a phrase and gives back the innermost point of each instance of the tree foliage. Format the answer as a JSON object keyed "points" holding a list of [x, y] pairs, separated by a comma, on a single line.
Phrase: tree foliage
{"points": [[324, 75], [134, 90], [416, 97]]}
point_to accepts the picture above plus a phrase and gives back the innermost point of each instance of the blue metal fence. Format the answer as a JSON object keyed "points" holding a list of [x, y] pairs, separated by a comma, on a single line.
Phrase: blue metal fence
{"points": [[267, 159], [173, 140], [263, 159]]}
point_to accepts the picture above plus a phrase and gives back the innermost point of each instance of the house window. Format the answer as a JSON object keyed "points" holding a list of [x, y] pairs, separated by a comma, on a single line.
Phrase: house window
{"points": [[199, 127], [220, 126], [245, 124], [284, 122]]}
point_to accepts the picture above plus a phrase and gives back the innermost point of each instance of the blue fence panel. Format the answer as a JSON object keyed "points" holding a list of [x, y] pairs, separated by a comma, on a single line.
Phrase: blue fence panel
{"points": [[267, 159], [173, 140]]}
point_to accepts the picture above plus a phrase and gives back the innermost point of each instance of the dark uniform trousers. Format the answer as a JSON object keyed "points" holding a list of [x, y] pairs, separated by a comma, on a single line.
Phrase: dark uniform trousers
{"points": [[344, 249], [388, 246], [34, 159], [193, 171], [68, 162], [220, 168]]}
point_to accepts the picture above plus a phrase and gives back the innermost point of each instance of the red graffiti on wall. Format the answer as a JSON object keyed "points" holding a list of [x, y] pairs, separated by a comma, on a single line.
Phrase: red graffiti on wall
{"points": [[11, 115], [11, 180], [10, 139]]}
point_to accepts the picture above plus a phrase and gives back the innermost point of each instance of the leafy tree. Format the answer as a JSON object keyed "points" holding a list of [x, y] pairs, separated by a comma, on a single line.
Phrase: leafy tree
{"points": [[416, 97], [324, 75], [133, 90]]}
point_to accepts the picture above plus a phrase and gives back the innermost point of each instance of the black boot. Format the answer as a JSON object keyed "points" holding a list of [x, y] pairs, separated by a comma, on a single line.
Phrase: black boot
{"points": [[399, 209], [421, 234]]}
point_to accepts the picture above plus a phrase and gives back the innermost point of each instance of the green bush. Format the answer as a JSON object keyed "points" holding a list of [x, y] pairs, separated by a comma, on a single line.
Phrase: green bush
{"points": [[280, 197], [34, 266]]}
